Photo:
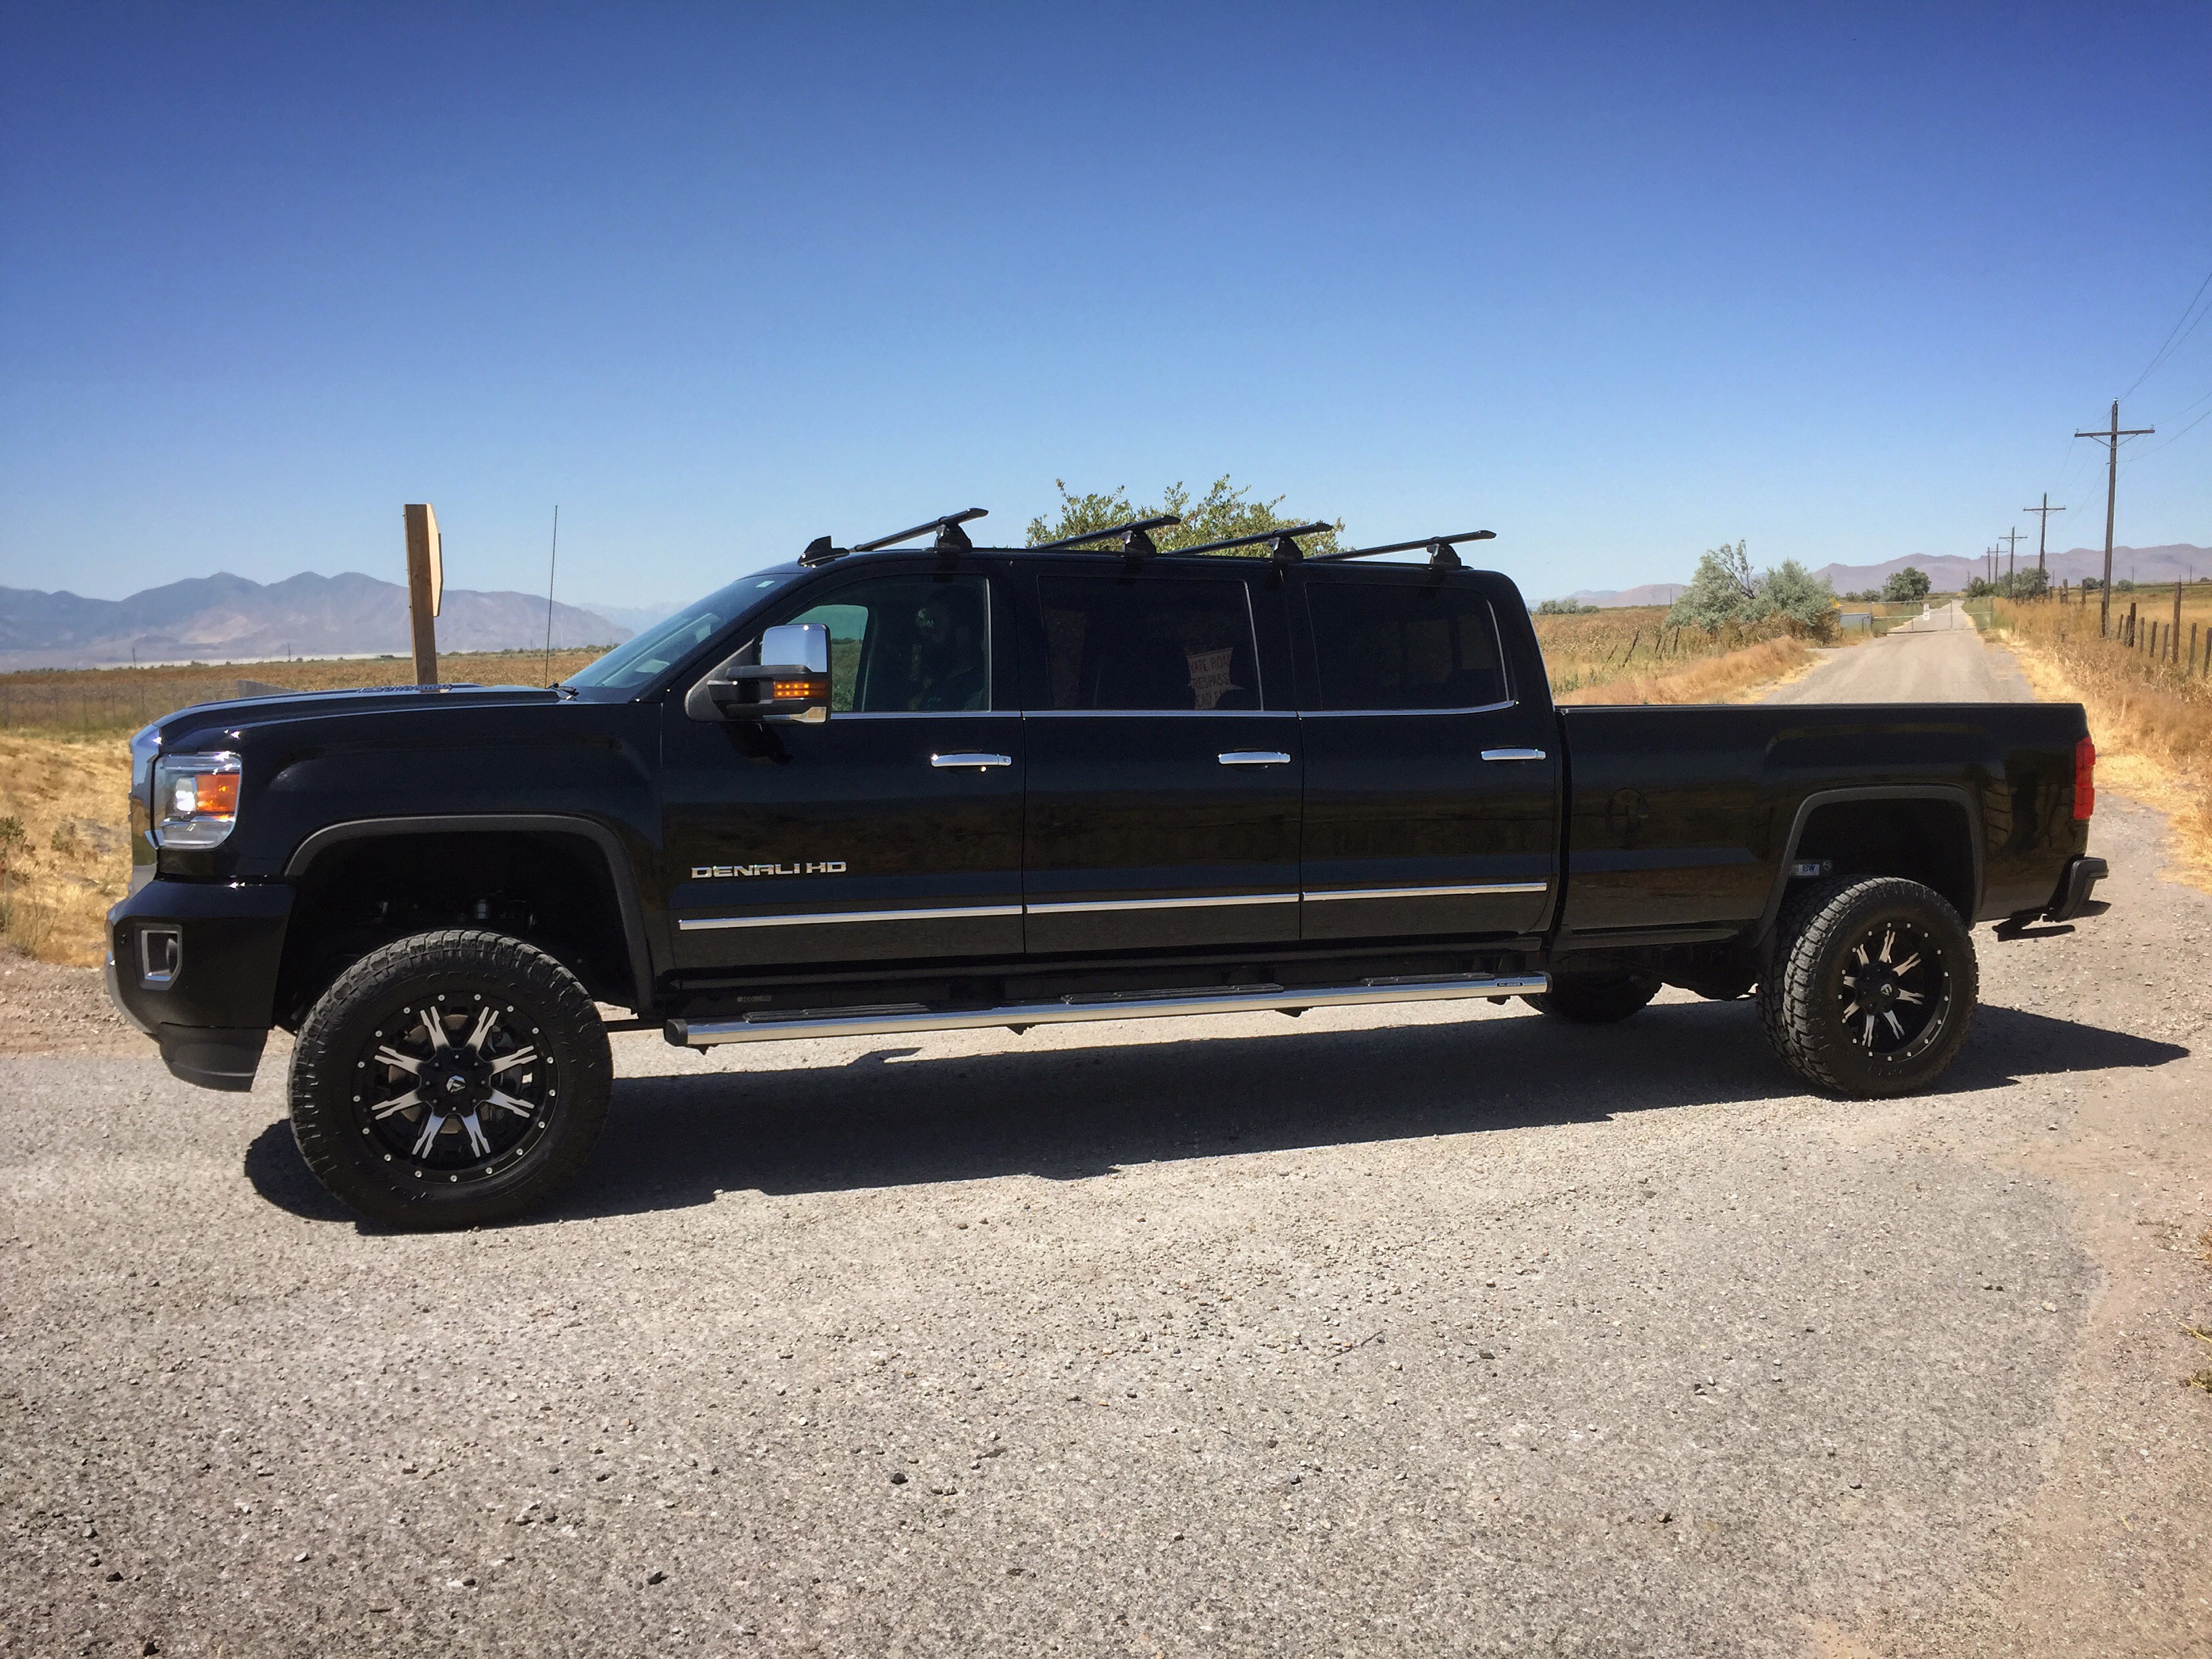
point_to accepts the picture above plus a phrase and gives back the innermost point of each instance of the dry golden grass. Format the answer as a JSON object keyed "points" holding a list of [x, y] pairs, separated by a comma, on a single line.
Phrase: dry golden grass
{"points": [[1726, 677], [1630, 655], [64, 841], [2151, 718]]}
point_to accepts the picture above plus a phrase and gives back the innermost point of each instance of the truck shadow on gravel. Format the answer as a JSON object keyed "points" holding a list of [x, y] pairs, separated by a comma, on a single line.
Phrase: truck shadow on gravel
{"points": [[891, 1118]]}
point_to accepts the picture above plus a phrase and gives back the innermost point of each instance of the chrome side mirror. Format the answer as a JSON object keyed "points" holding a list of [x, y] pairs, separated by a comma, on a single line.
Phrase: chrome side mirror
{"points": [[786, 681]]}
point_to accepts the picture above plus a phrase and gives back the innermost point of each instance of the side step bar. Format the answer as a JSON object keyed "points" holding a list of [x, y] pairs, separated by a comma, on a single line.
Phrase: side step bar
{"points": [[890, 1021]]}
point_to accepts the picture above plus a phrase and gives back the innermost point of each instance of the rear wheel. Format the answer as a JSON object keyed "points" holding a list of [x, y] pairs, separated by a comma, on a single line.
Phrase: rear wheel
{"points": [[1873, 987], [449, 1079], [1595, 998]]}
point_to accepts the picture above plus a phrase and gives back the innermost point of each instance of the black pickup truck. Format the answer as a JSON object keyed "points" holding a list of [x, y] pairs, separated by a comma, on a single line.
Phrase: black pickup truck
{"points": [[890, 790]]}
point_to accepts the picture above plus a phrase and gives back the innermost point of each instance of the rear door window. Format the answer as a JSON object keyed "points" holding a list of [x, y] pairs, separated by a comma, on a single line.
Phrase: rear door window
{"points": [[1388, 642], [1160, 643]]}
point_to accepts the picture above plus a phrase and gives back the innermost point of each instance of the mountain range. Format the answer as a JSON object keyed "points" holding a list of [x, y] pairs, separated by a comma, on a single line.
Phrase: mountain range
{"points": [[228, 618], [2147, 566]]}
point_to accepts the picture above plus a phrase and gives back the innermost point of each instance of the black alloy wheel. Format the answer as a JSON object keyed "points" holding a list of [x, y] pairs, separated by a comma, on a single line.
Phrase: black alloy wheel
{"points": [[1872, 988], [449, 1079], [458, 1088]]}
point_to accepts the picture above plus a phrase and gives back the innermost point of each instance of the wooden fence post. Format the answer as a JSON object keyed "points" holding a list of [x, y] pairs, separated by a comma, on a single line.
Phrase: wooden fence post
{"points": [[426, 587]]}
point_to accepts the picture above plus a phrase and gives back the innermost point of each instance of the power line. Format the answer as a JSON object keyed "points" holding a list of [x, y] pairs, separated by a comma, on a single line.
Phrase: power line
{"points": [[2111, 438], [2012, 552], [2176, 334]]}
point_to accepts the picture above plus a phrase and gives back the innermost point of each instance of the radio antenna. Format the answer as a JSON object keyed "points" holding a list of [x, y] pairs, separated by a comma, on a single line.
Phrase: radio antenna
{"points": [[552, 565]]}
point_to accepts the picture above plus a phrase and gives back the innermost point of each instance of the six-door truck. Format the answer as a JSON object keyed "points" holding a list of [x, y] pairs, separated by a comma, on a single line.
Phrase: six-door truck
{"points": [[887, 790]]}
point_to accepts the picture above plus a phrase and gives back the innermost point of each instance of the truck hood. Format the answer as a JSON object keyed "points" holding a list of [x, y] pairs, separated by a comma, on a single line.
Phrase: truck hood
{"points": [[241, 712]]}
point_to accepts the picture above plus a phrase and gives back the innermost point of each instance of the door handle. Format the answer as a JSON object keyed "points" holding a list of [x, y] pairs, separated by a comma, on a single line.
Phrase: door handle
{"points": [[976, 762], [1512, 753], [1254, 757]]}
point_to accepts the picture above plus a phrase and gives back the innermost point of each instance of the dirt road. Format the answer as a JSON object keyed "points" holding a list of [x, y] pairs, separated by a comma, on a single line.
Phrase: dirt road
{"points": [[1420, 1331], [1937, 657]]}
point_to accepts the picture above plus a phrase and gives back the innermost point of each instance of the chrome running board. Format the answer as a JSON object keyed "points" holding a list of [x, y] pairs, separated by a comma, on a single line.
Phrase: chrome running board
{"points": [[890, 1021]]}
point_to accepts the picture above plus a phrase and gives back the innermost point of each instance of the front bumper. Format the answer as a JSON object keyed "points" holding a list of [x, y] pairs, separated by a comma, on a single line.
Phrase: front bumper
{"points": [[194, 965]]}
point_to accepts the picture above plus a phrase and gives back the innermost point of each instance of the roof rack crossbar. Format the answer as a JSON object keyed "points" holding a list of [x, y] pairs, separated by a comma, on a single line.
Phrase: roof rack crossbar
{"points": [[1134, 542], [1438, 548], [1284, 535], [951, 537]]}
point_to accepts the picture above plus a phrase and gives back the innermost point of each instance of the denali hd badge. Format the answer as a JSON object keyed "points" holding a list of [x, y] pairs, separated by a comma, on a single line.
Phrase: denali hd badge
{"points": [[719, 872]]}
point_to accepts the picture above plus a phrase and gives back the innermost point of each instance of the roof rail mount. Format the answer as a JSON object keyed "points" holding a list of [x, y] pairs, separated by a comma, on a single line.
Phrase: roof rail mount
{"points": [[1281, 541], [1438, 548], [1134, 542]]}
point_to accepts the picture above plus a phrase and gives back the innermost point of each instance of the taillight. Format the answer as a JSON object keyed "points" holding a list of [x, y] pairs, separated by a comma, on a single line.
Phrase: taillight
{"points": [[2085, 780]]}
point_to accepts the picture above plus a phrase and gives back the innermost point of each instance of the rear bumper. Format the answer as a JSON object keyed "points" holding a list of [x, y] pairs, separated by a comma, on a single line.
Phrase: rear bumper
{"points": [[193, 965], [2077, 884]]}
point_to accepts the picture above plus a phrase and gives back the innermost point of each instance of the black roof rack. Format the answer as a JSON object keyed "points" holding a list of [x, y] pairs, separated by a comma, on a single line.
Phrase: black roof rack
{"points": [[1439, 548], [1134, 542], [1282, 542], [950, 538]]}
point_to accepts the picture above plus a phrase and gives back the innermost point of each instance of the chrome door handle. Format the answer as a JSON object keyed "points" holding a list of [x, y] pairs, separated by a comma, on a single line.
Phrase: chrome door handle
{"points": [[1512, 753], [1254, 757], [977, 763]]}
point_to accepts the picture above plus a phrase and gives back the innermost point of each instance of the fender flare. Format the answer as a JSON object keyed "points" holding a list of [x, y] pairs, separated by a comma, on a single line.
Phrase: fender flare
{"points": [[619, 871], [1958, 794]]}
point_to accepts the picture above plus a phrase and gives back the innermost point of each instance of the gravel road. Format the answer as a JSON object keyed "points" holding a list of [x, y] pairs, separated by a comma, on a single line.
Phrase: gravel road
{"points": [[1936, 658], [1432, 1331]]}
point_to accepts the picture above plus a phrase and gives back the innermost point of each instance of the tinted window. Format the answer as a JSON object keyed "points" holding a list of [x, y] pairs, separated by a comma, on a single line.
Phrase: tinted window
{"points": [[1148, 642], [903, 645], [1404, 645]]}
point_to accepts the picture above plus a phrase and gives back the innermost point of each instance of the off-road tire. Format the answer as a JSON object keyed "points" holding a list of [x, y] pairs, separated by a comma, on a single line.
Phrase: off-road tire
{"points": [[1595, 998], [341, 1095], [1803, 999]]}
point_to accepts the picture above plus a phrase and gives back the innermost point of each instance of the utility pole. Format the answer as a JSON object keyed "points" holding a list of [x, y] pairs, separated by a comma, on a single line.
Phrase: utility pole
{"points": [[2111, 439], [2012, 555], [2045, 510]]}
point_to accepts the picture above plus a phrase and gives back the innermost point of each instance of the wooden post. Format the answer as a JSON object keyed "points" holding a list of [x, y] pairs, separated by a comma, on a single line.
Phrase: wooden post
{"points": [[2176, 635], [426, 588]]}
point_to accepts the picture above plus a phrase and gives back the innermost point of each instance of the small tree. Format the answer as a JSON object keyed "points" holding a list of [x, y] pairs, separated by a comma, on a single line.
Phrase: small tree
{"points": [[1222, 513], [1795, 594], [1722, 591], [1565, 608], [1906, 586]]}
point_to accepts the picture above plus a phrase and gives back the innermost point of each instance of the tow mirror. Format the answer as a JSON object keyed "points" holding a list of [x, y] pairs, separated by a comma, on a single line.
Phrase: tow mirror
{"points": [[788, 680]]}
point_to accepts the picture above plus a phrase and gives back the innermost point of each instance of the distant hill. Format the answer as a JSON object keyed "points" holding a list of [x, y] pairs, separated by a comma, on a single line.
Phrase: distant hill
{"points": [[1607, 598], [228, 618], [2146, 565]]}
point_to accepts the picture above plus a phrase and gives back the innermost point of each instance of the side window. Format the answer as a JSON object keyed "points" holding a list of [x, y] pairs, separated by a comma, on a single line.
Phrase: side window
{"points": [[1404, 645], [908, 645], [1148, 642]]}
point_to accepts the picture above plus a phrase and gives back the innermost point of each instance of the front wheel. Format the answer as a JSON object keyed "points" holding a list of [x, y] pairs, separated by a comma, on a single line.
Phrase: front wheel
{"points": [[449, 1079], [1873, 987]]}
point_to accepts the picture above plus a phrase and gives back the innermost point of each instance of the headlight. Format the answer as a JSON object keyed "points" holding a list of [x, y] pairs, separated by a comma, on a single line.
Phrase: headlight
{"points": [[195, 798]]}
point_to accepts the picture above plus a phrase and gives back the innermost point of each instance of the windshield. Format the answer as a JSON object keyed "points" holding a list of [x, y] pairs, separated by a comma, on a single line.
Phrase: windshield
{"points": [[670, 640]]}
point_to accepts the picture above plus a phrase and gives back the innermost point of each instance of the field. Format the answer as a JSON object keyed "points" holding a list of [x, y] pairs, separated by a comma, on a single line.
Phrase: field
{"points": [[1630, 655], [2149, 704], [65, 772], [125, 699]]}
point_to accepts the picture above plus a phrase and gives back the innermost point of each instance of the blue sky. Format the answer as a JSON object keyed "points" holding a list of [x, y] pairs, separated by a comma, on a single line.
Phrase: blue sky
{"points": [[1618, 283]]}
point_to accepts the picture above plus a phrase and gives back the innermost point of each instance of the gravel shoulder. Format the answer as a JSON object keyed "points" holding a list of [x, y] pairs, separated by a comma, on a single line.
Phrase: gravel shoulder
{"points": [[1426, 1330]]}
